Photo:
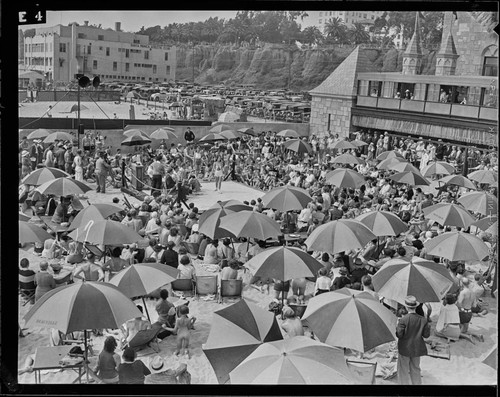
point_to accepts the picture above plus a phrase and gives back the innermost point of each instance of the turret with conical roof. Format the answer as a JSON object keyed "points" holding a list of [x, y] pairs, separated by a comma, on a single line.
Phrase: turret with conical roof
{"points": [[412, 58], [446, 58]]}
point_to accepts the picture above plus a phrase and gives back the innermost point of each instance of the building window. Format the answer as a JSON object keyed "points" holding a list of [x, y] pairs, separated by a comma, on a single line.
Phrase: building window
{"points": [[490, 66], [166, 56], [154, 68], [146, 54], [107, 51], [100, 37], [94, 64], [137, 41], [115, 66], [127, 53], [320, 14], [62, 47], [329, 121], [81, 36], [89, 49], [127, 67], [168, 69]]}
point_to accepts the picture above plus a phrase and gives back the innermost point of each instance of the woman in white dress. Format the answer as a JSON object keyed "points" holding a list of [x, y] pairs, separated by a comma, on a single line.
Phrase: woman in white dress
{"points": [[77, 165]]}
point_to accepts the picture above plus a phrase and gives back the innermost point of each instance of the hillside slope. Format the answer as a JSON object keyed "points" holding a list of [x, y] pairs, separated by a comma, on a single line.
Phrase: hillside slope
{"points": [[274, 67]]}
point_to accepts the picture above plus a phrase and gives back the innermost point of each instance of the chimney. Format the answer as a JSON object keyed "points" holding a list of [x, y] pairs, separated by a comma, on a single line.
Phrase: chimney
{"points": [[86, 23], [118, 26]]}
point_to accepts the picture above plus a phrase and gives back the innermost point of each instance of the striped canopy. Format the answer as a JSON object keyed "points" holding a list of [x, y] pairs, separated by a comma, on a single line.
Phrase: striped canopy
{"points": [[31, 233], [447, 214], [425, 280], [484, 176], [344, 177], [63, 187], [94, 212], [481, 202], [350, 318], [250, 224], [43, 175], [383, 223], [236, 331], [105, 232], [456, 246]]}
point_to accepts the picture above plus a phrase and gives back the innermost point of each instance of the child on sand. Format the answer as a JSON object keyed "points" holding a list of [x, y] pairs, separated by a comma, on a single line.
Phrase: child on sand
{"points": [[182, 326]]}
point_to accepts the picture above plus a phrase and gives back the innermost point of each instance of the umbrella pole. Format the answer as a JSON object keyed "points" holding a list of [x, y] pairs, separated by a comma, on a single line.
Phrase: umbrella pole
{"points": [[146, 308], [85, 364]]}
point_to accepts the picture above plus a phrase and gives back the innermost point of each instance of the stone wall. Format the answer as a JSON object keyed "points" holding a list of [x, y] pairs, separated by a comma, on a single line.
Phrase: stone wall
{"points": [[471, 40], [340, 119]]}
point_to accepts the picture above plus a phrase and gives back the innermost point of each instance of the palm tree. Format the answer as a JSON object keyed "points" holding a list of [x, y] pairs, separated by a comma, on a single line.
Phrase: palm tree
{"points": [[336, 30], [358, 34], [312, 35]]}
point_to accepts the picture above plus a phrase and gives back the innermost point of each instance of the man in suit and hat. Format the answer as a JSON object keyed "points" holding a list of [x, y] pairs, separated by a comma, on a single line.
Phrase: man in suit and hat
{"points": [[59, 155], [411, 330]]}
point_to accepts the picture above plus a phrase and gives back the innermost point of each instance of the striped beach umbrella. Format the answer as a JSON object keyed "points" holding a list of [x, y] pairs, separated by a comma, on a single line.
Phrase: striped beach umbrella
{"points": [[42, 175], [219, 128], [457, 246], [94, 212], [134, 131], [283, 263], [230, 134], [481, 202], [136, 140], [209, 223], [286, 198], [58, 136], [347, 158], [338, 236], [105, 232], [403, 167], [409, 178], [458, 180], [237, 331], [438, 168], [288, 133], [425, 280], [345, 177], [39, 133], [388, 154], [164, 133], [344, 144], [31, 233], [389, 162], [251, 225], [350, 318], [212, 136], [484, 176], [383, 223], [63, 187], [82, 306], [447, 214], [486, 222], [298, 146], [297, 360]]}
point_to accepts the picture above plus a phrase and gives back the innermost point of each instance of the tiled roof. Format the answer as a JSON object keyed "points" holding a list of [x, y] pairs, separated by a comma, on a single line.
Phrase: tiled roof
{"points": [[343, 78]]}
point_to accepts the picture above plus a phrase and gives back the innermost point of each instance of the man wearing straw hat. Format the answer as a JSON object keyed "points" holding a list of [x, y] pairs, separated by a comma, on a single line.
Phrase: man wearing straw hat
{"points": [[160, 374], [411, 331]]}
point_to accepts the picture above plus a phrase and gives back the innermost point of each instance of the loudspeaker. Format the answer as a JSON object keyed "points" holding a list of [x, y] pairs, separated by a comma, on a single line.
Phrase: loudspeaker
{"points": [[96, 81], [83, 81]]}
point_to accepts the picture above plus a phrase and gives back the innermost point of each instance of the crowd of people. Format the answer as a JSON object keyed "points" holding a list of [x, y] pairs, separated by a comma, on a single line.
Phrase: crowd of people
{"points": [[170, 223]]}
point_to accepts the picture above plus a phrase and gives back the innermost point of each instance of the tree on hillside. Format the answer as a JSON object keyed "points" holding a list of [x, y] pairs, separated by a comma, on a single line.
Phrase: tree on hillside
{"points": [[311, 35], [336, 31], [358, 34], [431, 25]]}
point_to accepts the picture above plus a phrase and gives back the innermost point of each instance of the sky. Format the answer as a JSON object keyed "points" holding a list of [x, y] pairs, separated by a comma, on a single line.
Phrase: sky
{"points": [[132, 21]]}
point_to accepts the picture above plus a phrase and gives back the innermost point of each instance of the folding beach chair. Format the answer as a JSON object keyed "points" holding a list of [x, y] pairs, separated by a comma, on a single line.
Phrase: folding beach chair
{"points": [[183, 285], [363, 371], [205, 285], [230, 289]]}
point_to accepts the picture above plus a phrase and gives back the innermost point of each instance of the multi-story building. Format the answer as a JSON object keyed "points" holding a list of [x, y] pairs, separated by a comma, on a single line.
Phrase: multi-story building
{"points": [[349, 18], [60, 52], [458, 103]]}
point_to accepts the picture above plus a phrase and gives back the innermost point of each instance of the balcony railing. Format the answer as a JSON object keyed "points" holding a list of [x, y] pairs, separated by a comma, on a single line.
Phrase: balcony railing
{"points": [[435, 108]]}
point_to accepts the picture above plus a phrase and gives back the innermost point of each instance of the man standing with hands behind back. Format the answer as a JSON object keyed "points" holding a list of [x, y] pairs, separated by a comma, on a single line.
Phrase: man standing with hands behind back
{"points": [[189, 136], [411, 331]]}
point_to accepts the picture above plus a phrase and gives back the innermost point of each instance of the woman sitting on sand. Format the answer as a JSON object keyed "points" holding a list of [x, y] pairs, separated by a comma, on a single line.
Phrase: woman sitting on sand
{"points": [[108, 362], [448, 324]]}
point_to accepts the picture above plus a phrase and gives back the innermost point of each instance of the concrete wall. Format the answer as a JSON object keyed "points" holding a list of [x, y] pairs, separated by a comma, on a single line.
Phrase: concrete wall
{"points": [[340, 119], [72, 96]]}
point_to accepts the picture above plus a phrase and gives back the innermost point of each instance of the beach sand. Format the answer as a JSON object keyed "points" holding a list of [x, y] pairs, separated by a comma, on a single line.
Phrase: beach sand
{"points": [[464, 367]]}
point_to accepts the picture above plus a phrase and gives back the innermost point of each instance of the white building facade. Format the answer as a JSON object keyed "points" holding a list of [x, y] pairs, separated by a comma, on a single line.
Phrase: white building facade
{"points": [[60, 52], [349, 18]]}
